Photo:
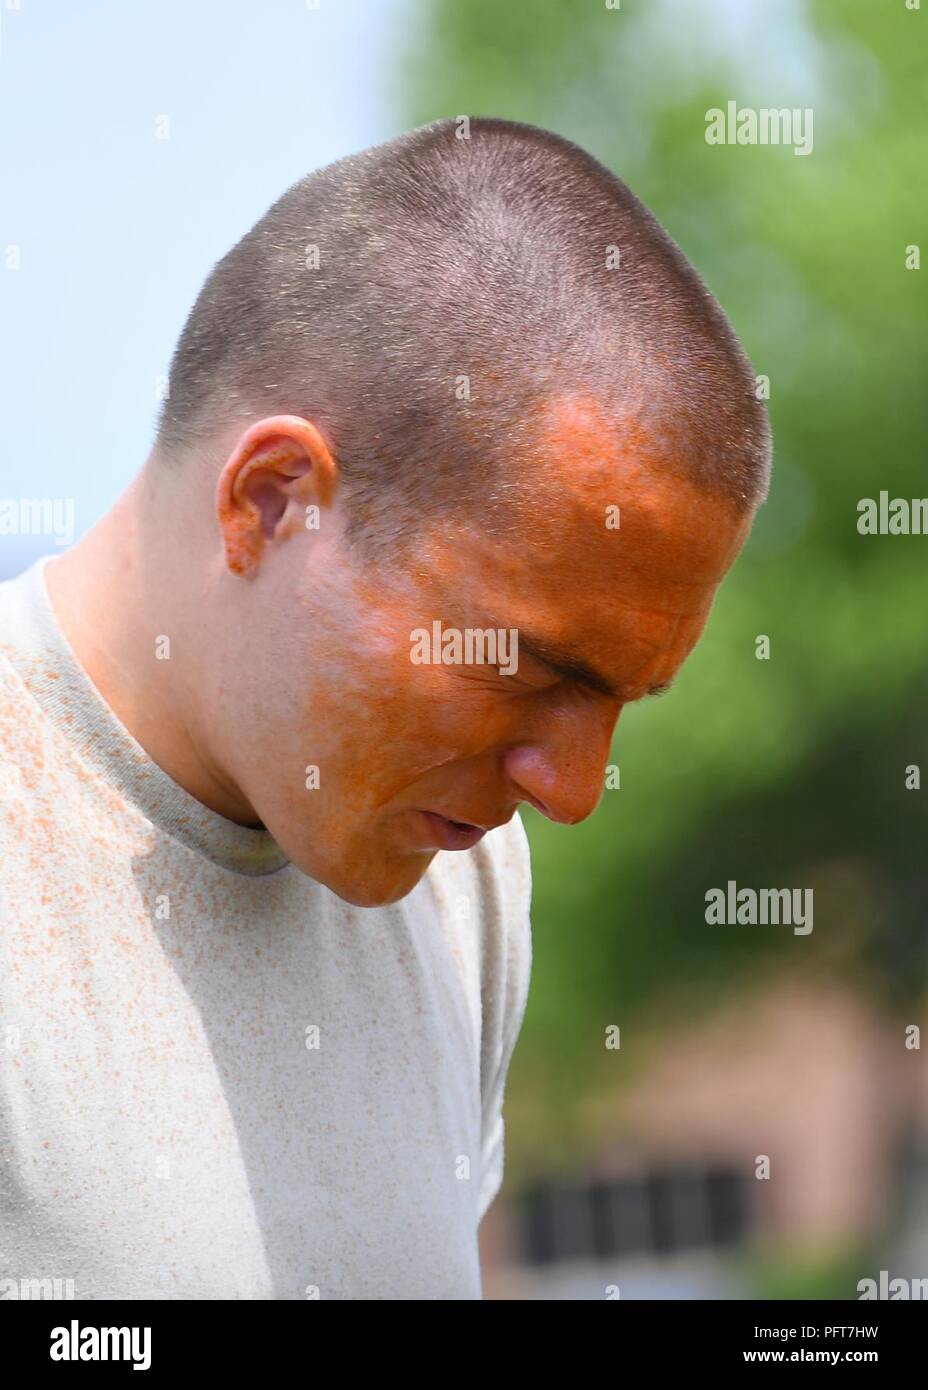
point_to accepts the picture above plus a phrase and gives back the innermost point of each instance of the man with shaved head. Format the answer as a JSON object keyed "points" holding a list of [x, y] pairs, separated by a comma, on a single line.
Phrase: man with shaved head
{"points": [[265, 930]]}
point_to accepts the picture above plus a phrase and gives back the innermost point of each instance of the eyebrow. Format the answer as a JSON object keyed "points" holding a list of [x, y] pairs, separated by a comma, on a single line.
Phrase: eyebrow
{"points": [[570, 666]]}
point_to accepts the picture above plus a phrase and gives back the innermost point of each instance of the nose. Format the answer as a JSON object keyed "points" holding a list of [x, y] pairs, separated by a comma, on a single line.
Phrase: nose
{"points": [[561, 770]]}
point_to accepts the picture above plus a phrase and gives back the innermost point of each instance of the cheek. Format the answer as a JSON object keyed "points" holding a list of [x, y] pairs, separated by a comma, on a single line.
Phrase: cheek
{"points": [[364, 721], [400, 722], [431, 708]]}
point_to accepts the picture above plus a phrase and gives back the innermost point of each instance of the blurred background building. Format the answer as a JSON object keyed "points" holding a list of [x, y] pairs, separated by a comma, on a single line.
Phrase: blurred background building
{"points": [[779, 1148]]}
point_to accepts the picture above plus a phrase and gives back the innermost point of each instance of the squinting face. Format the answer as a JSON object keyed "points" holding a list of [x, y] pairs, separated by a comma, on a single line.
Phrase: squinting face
{"points": [[318, 669]]}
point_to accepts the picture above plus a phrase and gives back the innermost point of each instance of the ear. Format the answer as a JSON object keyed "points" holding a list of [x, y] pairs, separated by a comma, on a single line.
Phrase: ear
{"points": [[280, 466]]}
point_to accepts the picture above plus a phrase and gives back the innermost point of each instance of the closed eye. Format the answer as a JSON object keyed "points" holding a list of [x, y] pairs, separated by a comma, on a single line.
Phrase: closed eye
{"points": [[535, 674]]}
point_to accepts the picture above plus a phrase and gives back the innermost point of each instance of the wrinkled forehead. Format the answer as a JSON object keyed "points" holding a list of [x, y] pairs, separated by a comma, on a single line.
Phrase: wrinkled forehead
{"points": [[619, 564], [597, 528]]}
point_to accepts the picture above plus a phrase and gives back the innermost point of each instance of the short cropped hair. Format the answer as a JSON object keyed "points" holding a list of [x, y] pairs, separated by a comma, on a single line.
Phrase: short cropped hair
{"points": [[423, 300]]}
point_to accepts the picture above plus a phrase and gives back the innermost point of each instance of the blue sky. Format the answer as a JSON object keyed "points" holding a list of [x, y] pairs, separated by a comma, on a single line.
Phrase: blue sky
{"points": [[116, 229]]}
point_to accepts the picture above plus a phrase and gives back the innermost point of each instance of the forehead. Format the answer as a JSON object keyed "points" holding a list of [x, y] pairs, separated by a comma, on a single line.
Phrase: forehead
{"points": [[621, 484], [606, 551], [604, 500]]}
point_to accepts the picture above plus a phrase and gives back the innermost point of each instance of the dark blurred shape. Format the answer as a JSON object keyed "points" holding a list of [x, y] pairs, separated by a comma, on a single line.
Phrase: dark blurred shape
{"points": [[660, 1213]]}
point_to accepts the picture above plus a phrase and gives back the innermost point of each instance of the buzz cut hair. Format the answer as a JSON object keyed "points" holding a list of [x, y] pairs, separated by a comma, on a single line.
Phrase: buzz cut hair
{"points": [[421, 303]]}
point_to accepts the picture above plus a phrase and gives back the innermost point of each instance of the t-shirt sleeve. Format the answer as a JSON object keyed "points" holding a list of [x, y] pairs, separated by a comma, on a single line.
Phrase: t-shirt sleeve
{"points": [[506, 971]]}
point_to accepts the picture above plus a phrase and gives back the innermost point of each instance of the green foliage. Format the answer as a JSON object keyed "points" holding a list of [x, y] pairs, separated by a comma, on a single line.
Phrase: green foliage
{"points": [[786, 1274]]}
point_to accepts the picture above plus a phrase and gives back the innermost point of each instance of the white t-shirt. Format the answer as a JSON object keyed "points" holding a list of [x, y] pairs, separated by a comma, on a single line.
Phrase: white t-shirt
{"points": [[217, 1079]]}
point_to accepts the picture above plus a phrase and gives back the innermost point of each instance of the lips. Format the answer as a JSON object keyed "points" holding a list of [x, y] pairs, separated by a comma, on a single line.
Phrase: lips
{"points": [[444, 833]]}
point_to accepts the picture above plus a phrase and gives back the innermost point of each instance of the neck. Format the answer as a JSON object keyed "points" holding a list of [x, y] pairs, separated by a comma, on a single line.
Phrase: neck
{"points": [[116, 594]]}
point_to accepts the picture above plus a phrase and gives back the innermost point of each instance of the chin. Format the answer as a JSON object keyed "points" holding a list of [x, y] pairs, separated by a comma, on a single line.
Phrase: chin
{"points": [[373, 883]]}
